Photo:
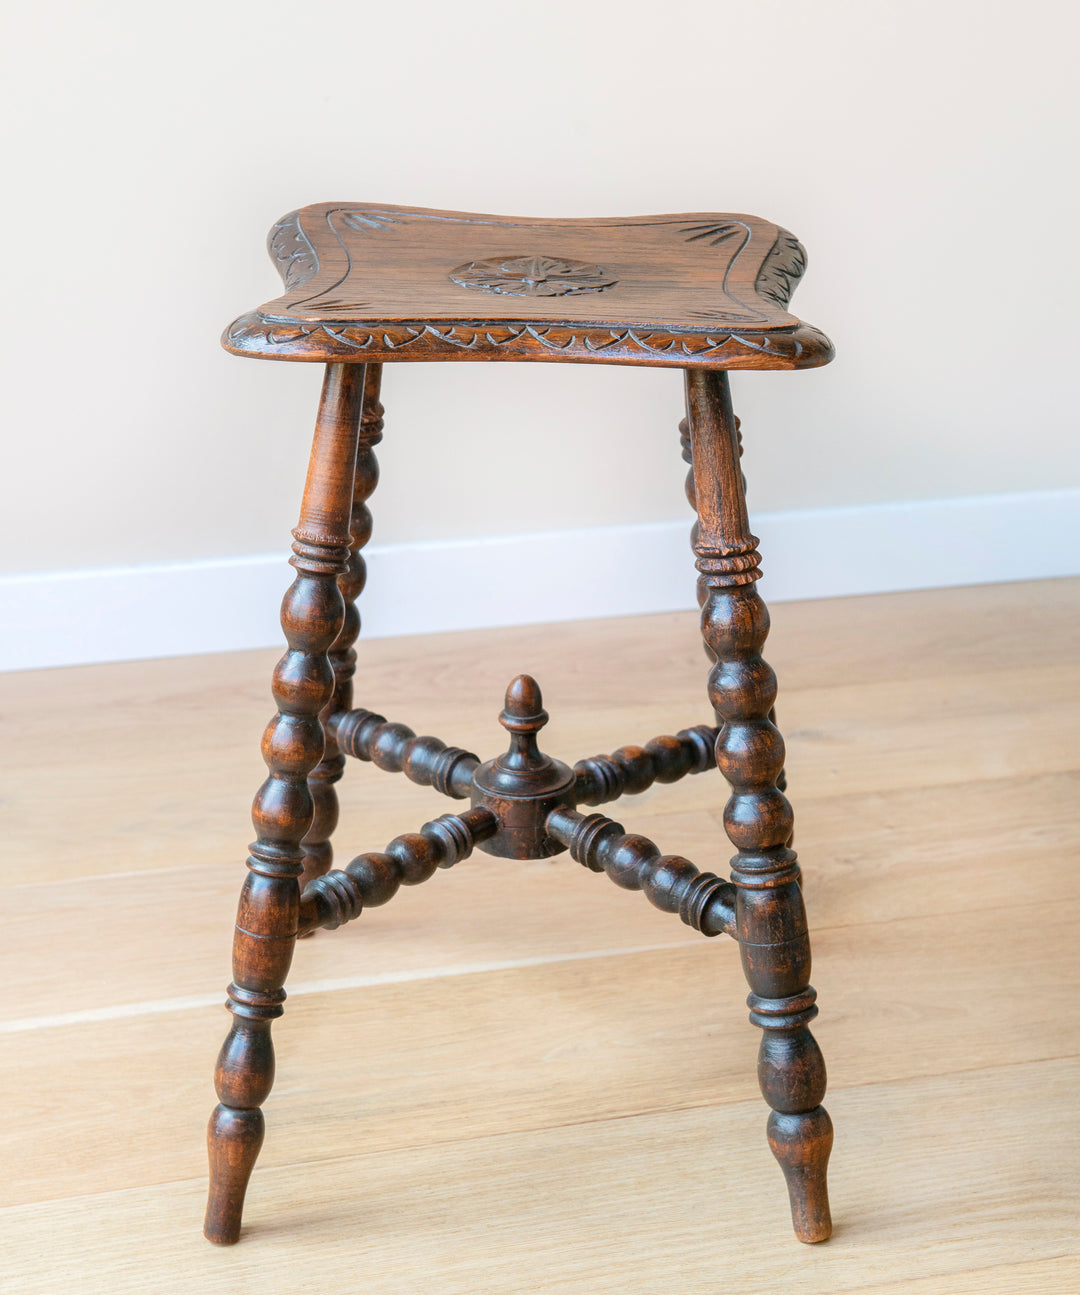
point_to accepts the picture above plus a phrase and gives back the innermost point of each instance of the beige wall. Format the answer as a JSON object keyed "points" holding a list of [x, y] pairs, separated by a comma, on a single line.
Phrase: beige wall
{"points": [[920, 150]]}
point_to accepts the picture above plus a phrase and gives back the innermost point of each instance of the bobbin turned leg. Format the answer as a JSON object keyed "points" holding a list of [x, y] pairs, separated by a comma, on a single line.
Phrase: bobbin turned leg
{"points": [[702, 590], [770, 918], [318, 852], [312, 615]]}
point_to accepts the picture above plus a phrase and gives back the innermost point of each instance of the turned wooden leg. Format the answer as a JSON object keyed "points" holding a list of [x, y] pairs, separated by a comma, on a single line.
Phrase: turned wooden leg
{"points": [[312, 615], [702, 589], [770, 918], [318, 852]]}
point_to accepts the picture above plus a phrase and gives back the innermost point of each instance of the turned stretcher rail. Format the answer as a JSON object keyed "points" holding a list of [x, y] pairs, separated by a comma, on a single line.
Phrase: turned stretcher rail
{"points": [[397, 749], [428, 761], [631, 769], [372, 879], [669, 881]]}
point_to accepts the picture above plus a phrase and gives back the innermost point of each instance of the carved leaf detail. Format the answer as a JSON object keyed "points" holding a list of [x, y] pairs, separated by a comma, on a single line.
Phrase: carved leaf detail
{"points": [[295, 258], [364, 222], [341, 303], [714, 234], [727, 316], [782, 269]]}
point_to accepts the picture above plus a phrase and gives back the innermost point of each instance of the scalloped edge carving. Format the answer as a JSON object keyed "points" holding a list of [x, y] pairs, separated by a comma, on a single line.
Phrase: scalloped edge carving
{"points": [[802, 347]]}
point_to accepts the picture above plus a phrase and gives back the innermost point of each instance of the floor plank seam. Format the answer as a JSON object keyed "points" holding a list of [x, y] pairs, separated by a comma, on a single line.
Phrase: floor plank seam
{"points": [[751, 1102], [713, 810], [376, 980], [405, 1148], [835, 1087], [945, 1273], [939, 912], [541, 1126]]}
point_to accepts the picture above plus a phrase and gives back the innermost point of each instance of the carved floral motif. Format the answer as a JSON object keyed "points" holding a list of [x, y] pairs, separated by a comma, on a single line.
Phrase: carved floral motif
{"points": [[532, 276]]}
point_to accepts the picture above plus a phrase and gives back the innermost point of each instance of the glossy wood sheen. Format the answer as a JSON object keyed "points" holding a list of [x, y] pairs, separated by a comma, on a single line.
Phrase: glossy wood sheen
{"points": [[367, 282]]}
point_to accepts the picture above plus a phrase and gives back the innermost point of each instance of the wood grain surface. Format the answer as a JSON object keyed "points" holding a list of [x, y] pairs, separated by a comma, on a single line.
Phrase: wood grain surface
{"points": [[427, 1131], [367, 282]]}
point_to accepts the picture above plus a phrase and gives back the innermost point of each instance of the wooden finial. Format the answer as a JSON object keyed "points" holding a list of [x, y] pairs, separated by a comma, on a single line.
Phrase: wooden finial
{"points": [[523, 717]]}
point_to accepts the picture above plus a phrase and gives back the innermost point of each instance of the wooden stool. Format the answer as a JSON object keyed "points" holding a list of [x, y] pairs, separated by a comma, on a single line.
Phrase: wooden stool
{"points": [[368, 285]]}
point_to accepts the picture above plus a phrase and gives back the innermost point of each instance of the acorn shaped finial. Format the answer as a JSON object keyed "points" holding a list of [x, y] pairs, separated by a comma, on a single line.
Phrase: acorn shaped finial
{"points": [[523, 717]]}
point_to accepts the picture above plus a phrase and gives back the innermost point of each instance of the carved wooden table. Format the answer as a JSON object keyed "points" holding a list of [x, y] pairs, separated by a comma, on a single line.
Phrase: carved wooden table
{"points": [[368, 285]]}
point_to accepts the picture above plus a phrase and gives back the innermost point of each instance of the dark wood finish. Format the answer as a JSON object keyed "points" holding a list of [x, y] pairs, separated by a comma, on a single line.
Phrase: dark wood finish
{"points": [[771, 921], [522, 809], [318, 853], [522, 786], [630, 770], [691, 497], [397, 749], [634, 862], [366, 282], [373, 879], [312, 615]]}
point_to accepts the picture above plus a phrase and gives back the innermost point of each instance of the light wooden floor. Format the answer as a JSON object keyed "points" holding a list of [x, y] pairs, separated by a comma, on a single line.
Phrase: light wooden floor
{"points": [[518, 1078]]}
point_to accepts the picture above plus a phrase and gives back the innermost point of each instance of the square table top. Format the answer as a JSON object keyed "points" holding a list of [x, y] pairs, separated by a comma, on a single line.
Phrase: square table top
{"points": [[368, 282]]}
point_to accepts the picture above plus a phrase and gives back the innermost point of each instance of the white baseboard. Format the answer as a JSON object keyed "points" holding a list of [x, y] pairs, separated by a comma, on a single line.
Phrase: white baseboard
{"points": [[124, 613]]}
